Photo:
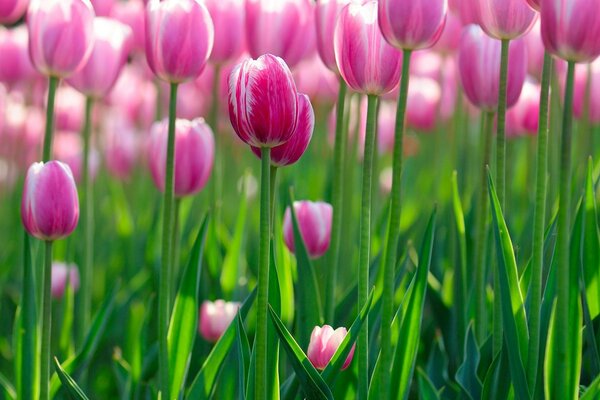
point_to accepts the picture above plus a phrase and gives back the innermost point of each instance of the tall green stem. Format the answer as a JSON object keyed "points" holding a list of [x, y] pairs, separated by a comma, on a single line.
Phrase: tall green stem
{"points": [[164, 293], [175, 241], [336, 201], [53, 84], [272, 190], [46, 324], [393, 234], [260, 385], [365, 246], [539, 213]]}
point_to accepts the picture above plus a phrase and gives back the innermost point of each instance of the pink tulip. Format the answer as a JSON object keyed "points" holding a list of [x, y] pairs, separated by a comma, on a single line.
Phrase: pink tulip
{"points": [[595, 93], [69, 109], [215, 318], [535, 51], [132, 13], [465, 9], [479, 68], [314, 79], [103, 8], [424, 96], [111, 48], [450, 38], [291, 151], [12, 10], [62, 274], [68, 148], [284, 28], [535, 4], [524, 116], [326, 15], [228, 19], [367, 63], [505, 19], [16, 66], [263, 102], [324, 342], [174, 51], [414, 24], [386, 120], [314, 222], [580, 87], [50, 206], [571, 28], [121, 148], [61, 35], [194, 155]]}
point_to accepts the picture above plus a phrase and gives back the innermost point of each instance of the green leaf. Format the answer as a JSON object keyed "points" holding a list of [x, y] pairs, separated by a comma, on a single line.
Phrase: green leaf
{"points": [[243, 347], [593, 391], [313, 384], [466, 376], [410, 330], [229, 272], [27, 365], [7, 387], [513, 309], [590, 251], [73, 389], [461, 273], [426, 389], [184, 318], [495, 383]]}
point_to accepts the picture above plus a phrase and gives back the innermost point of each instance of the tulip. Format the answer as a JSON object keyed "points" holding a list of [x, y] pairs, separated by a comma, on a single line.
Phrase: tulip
{"points": [[12, 10], [326, 15], [505, 19], [121, 147], [367, 63], [263, 102], [479, 68], [314, 79], [215, 318], [595, 93], [450, 38], [423, 104], [50, 206], [109, 55], [61, 35], [535, 4], [571, 29], [465, 9], [103, 8], [291, 151], [324, 342], [68, 148], [314, 222], [228, 20], [132, 14], [414, 24], [176, 53], [284, 28], [535, 51], [69, 109], [16, 66], [524, 116], [194, 155], [63, 274]]}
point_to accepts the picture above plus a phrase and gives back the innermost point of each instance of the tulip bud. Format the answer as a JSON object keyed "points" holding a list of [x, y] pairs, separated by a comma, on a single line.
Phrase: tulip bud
{"points": [[424, 96], [314, 222], [524, 116], [263, 102], [12, 10], [16, 66], [291, 151], [505, 19], [465, 9], [103, 8], [174, 51], [450, 38], [121, 147], [68, 148], [229, 22], [132, 13], [313, 78], [324, 342], [326, 15], [367, 63], [50, 206], [215, 318], [68, 109], [61, 275], [194, 155], [414, 24], [61, 35]]}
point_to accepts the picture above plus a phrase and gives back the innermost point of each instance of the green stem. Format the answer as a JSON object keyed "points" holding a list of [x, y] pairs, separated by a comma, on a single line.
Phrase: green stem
{"points": [[272, 190], [215, 187], [393, 234], [53, 84], [263, 277], [537, 262], [336, 201], [46, 324], [365, 246], [164, 294], [175, 241]]}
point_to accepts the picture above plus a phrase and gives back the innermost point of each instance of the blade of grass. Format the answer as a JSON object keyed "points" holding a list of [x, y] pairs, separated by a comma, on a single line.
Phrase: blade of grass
{"points": [[75, 392]]}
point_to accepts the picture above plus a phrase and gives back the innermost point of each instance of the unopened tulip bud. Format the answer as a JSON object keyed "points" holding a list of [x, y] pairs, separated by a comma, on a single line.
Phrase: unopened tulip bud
{"points": [[68, 148], [505, 19], [229, 23], [215, 318], [314, 222], [326, 15], [16, 66], [324, 342], [424, 96], [63, 274], [12, 10], [132, 13]]}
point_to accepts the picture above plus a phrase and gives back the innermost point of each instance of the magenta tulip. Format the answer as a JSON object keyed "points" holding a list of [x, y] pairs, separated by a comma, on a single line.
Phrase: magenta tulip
{"points": [[176, 52], [68, 148], [535, 51], [535, 4], [132, 13], [229, 22], [50, 206], [465, 9], [61, 35], [450, 38], [314, 222], [326, 15], [424, 96], [479, 68], [367, 63], [12, 10], [291, 151], [524, 116], [412, 24], [63, 274], [215, 318], [284, 28], [121, 147], [16, 66], [314, 79], [263, 102], [505, 19], [324, 342], [69, 109], [111, 48], [103, 8], [194, 155], [571, 28]]}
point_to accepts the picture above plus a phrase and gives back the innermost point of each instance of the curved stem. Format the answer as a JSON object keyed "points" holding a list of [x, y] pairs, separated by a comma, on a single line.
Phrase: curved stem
{"points": [[336, 201], [164, 293], [365, 246], [46, 324], [260, 385], [393, 234], [47, 153]]}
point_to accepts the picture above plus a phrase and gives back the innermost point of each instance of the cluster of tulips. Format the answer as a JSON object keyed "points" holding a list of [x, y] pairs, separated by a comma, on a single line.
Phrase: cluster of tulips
{"points": [[85, 83]]}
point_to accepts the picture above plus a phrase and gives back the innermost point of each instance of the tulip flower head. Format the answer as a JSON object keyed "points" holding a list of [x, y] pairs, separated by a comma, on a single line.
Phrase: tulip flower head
{"points": [[63, 274], [314, 222], [16, 66], [505, 19], [324, 342], [215, 317], [132, 13], [535, 4], [229, 23], [50, 206], [12, 10], [326, 15]]}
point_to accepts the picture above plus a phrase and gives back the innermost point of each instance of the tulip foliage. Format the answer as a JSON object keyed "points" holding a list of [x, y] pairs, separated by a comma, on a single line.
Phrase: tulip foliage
{"points": [[300, 199]]}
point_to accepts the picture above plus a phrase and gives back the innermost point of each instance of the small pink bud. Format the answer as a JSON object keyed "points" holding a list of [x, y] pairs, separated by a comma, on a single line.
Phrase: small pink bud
{"points": [[61, 274], [324, 342], [505, 19], [50, 206], [12, 10], [314, 222], [215, 318], [326, 15]]}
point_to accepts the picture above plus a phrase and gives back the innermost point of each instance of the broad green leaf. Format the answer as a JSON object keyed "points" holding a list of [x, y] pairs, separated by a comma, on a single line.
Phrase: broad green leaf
{"points": [[590, 251], [513, 309], [243, 347], [313, 385], [495, 384], [230, 269], [410, 331], [466, 376], [69, 383], [184, 317], [426, 389]]}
